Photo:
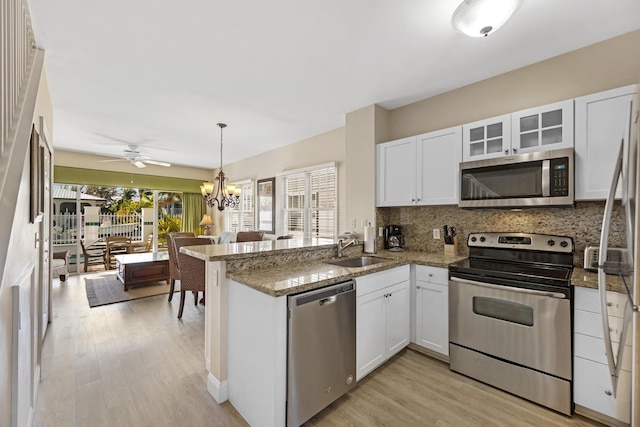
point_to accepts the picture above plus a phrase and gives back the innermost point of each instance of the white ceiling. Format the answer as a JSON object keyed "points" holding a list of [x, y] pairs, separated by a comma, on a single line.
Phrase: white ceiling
{"points": [[162, 73]]}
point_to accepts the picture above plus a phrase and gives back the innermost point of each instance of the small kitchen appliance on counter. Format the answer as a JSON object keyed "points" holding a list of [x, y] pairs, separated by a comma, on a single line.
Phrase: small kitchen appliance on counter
{"points": [[393, 238]]}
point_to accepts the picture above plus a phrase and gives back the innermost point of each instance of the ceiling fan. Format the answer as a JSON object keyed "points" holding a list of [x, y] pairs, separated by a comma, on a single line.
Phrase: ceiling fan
{"points": [[136, 158]]}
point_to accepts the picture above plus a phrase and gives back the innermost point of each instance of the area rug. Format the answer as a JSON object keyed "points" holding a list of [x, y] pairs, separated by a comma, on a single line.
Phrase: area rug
{"points": [[108, 289]]}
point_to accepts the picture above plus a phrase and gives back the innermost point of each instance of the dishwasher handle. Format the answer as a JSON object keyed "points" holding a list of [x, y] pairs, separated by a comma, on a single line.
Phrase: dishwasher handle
{"points": [[324, 296], [327, 301]]}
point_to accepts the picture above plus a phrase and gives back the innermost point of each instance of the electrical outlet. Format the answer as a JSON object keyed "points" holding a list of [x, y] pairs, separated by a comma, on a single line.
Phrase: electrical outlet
{"points": [[380, 231], [353, 223], [436, 233]]}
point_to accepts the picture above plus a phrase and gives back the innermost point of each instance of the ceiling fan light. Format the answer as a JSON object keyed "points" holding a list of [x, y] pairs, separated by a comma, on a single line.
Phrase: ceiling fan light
{"points": [[139, 164], [479, 18]]}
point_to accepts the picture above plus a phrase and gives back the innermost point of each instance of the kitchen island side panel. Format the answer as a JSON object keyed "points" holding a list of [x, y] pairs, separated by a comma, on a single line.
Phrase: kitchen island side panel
{"points": [[257, 358]]}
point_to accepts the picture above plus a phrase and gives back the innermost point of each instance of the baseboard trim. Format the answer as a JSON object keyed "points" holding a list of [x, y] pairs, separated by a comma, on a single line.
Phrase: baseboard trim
{"points": [[429, 352], [597, 416], [218, 390]]}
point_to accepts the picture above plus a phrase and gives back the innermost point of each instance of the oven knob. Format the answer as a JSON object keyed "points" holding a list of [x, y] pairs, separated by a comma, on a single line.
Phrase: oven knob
{"points": [[482, 239], [473, 239], [564, 244], [551, 242]]}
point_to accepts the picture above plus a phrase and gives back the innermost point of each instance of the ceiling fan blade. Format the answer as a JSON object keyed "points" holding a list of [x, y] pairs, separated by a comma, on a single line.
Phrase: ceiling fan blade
{"points": [[139, 164], [114, 160], [153, 162]]}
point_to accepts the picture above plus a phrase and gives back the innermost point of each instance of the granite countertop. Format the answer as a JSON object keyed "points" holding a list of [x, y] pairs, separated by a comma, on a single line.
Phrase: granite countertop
{"points": [[290, 278], [287, 279], [254, 249], [588, 279]]}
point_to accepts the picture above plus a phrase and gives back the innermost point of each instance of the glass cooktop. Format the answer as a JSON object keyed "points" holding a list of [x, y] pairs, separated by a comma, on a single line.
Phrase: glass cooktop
{"points": [[527, 272]]}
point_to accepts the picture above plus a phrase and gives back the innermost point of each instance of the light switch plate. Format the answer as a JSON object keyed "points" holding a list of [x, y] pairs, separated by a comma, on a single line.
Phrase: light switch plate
{"points": [[436, 233]]}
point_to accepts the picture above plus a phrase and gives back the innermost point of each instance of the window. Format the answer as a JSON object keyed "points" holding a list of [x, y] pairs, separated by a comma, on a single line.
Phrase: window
{"points": [[242, 217], [309, 202]]}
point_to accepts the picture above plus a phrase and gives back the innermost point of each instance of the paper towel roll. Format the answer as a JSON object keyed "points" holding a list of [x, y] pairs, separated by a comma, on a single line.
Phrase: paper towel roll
{"points": [[370, 240]]}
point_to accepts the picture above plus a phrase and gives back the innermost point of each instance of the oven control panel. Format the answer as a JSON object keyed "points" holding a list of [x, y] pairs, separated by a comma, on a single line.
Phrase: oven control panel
{"points": [[524, 241]]}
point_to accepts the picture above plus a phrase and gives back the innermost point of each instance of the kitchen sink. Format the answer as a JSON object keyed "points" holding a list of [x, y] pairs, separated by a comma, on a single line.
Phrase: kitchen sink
{"points": [[362, 261]]}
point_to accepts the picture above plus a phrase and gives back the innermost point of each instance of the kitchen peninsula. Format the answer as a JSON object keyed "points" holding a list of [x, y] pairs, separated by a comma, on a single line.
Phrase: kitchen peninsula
{"points": [[245, 320]]}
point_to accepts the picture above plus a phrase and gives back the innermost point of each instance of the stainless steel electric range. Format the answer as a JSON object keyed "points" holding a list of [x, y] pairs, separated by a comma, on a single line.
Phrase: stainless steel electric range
{"points": [[510, 315]]}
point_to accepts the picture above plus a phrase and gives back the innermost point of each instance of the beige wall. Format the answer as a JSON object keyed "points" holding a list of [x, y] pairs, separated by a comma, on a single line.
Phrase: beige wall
{"points": [[323, 148], [21, 253], [605, 65], [362, 127]]}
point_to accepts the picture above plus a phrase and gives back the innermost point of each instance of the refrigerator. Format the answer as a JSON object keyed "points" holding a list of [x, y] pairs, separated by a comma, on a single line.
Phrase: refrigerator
{"points": [[626, 176]]}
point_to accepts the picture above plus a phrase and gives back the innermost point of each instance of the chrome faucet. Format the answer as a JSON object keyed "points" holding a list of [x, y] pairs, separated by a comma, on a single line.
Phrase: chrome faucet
{"points": [[342, 246]]}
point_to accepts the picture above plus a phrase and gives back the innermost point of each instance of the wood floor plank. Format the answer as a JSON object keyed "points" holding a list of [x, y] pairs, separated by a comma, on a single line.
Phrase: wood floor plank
{"points": [[136, 364]]}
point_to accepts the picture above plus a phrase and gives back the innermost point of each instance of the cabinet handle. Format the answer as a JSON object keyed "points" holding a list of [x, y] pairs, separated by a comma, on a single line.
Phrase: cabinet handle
{"points": [[515, 150], [418, 287], [506, 152], [609, 304], [608, 392], [430, 274], [418, 200], [413, 200]]}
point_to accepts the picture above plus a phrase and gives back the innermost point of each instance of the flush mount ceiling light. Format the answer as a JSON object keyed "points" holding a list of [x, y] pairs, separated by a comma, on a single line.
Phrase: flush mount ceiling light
{"points": [[479, 18]]}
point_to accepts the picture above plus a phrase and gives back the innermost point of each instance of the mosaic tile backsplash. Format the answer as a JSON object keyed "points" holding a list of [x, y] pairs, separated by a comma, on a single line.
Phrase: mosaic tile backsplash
{"points": [[582, 222]]}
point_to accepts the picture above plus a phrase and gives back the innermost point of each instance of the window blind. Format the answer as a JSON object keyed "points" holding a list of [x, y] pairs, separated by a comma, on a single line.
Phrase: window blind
{"points": [[242, 217], [309, 201]]}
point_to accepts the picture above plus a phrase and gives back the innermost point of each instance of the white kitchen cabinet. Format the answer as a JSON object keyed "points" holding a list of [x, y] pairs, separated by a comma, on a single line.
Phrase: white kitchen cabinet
{"points": [[432, 309], [382, 317], [548, 127], [438, 157], [486, 139], [601, 123], [591, 382], [396, 172], [419, 170]]}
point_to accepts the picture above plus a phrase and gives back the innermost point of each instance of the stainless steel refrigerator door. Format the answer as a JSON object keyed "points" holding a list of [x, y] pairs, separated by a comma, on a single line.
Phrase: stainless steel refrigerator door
{"points": [[625, 171], [321, 349]]}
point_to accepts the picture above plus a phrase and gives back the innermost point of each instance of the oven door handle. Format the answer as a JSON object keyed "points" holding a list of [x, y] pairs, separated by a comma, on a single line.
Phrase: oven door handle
{"points": [[558, 295]]}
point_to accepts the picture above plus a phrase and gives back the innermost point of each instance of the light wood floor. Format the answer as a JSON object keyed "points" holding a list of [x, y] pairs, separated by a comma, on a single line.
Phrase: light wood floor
{"points": [[136, 364]]}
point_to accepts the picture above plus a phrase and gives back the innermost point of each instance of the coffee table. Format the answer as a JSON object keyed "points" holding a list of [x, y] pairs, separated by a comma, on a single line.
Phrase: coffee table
{"points": [[142, 267]]}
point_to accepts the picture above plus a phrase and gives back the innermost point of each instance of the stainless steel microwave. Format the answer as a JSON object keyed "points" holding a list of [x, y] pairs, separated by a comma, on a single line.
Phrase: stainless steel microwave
{"points": [[543, 178]]}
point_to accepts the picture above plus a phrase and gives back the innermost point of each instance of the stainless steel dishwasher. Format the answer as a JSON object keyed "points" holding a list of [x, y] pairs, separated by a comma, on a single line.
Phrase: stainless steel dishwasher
{"points": [[321, 364]]}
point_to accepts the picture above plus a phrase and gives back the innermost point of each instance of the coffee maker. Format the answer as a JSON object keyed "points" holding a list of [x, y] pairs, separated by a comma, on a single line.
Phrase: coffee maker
{"points": [[393, 238]]}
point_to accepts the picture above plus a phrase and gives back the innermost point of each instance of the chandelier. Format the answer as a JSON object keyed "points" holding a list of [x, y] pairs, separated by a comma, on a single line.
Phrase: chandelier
{"points": [[226, 195]]}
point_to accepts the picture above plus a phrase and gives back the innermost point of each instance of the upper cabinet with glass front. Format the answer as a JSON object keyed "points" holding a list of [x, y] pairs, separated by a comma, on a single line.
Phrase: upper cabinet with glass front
{"points": [[487, 138], [543, 128]]}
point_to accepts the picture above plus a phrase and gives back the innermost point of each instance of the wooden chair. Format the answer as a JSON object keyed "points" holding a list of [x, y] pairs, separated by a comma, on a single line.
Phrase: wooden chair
{"points": [[174, 273], [116, 245], [249, 236], [93, 256], [191, 270], [142, 247]]}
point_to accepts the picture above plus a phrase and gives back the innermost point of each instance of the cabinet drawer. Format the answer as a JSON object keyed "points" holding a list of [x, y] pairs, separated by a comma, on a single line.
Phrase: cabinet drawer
{"points": [[592, 389], [592, 348], [376, 281], [587, 299], [436, 275], [588, 323]]}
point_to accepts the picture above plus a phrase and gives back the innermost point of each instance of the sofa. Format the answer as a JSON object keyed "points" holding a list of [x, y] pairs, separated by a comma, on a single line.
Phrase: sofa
{"points": [[60, 265]]}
